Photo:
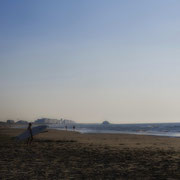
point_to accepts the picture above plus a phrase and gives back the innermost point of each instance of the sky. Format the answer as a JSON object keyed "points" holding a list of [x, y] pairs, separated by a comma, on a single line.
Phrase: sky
{"points": [[90, 60]]}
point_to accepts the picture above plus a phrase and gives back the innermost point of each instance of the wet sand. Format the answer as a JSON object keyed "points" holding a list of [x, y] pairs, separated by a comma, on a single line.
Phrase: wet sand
{"points": [[71, 155]]}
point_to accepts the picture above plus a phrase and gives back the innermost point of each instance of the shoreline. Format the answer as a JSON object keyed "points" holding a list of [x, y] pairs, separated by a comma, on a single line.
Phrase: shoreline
{"points": [[111, 139], [88, 131], [107, 133]]}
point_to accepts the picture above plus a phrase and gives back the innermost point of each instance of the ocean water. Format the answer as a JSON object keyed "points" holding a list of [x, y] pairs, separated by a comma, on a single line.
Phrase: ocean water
{"points": [[157, 129]]}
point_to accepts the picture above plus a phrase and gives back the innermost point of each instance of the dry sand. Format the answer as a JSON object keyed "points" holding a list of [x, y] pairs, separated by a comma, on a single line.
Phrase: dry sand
{"points": [[71, 155]]}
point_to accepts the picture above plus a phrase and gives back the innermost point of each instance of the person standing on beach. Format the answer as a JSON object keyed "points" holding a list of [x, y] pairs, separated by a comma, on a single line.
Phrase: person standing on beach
{"points": [[30, 139]]}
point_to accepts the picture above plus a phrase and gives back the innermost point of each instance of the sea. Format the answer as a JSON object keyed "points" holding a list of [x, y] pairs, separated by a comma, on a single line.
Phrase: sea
{"points": [[155, 129]]}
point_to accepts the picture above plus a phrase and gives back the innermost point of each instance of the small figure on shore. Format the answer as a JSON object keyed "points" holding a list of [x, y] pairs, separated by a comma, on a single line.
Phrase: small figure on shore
{"points": [[73, 128], [66, 128], [30, 139]]}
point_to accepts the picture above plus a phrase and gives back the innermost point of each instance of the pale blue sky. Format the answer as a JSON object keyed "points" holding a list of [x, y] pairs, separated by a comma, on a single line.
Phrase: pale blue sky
{"points": [[90, 60]]}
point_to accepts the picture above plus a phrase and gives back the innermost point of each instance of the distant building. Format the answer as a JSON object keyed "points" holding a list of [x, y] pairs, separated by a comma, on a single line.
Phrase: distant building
{"points": [[53, 121], [66, 121], [47, 121], [21, 122], [3, 124], [10, 121]]}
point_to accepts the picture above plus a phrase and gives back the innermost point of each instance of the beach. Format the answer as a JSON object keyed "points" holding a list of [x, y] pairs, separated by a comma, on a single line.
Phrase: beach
{"points": [[70, 155]]}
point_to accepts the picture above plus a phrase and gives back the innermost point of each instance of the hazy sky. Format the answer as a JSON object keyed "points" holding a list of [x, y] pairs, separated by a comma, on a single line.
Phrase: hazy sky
{"points": [[90, 60]]}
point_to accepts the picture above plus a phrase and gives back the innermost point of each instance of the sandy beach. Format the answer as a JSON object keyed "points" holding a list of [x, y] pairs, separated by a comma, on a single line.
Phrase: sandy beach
{"points": [[71, 155]]}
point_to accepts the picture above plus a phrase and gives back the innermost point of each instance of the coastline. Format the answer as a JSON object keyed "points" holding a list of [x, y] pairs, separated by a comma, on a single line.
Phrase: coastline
{"points": [[111, 139], [150, 129]]}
